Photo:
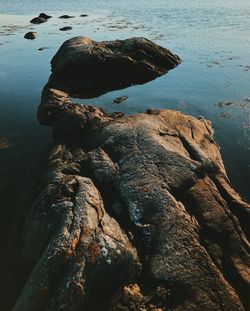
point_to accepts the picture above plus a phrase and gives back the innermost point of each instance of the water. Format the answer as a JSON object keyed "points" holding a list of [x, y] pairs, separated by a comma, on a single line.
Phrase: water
{"points": [[212, 38]]}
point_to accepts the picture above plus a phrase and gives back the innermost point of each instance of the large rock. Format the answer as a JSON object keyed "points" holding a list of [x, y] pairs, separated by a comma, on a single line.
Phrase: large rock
{"points": [[88, 68], [131, 212], [134, 213]]}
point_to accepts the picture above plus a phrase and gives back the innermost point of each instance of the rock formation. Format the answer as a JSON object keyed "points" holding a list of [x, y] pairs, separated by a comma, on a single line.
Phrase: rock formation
{"points": [[131, 213], [87, 68]]}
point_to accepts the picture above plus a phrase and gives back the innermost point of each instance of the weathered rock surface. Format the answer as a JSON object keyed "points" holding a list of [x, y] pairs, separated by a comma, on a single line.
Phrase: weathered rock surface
{"points": [[133, 213], [88, 68], [30, 35]]}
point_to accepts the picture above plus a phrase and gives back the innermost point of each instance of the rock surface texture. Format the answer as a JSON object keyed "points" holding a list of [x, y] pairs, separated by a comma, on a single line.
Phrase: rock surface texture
{"points": [[87, 68], [131, 213]]}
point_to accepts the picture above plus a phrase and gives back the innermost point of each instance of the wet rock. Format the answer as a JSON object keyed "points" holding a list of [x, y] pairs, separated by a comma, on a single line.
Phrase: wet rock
{"points": [[131, 213], [65, 28], [163, 173], [45, 16], [120, 99], [88, 68], [30, 35], [83, 15], [38, 20], [66, 16]]}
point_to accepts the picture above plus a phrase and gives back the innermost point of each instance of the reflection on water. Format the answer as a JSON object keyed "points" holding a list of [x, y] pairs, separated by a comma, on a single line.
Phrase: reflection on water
{"points": [[212, 38]]}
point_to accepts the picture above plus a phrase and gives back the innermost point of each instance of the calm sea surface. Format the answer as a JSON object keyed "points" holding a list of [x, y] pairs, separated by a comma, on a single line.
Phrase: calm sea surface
{"points": [[211, 37]]}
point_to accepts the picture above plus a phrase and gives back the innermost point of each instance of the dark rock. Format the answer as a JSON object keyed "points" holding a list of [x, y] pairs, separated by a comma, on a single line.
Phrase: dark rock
{"points": [[38, 20], [120, 99], [65, 28], [30, 35], [66, 16], [90, 68], [43, 48], [45, 16], [83, 15]]}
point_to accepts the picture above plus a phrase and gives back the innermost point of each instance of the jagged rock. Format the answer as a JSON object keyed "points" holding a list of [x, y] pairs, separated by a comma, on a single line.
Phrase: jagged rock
{"points": [[154, 187], [88, 68], [38, 20], [30, 35]]}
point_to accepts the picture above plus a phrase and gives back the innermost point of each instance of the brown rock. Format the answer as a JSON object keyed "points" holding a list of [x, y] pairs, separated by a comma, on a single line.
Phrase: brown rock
{"points": [[131, 213], [161, 176]]}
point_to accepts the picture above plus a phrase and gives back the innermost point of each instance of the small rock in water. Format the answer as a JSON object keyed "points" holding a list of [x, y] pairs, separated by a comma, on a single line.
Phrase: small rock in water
{"points": [[65, 28], [45, 16], [42, 48], [38, 20], [120, 99], [30, 35], [83, 15], [4, 143], [66, 16]]}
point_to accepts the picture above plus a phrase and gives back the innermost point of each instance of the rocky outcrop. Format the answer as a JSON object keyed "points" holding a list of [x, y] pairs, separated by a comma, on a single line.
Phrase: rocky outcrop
{"points": [[87, 68], [131, 213]]}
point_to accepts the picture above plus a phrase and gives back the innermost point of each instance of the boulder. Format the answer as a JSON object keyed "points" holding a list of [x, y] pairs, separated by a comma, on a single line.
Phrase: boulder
{"points": [[87, 68], [30, 35]]}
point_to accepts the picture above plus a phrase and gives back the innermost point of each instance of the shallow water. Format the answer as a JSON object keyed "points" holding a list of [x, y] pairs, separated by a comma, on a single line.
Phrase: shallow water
{"points": [[212, 38]]}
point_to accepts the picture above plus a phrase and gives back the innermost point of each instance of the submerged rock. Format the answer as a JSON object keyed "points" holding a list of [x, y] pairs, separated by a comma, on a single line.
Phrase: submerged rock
{"points": [[120, 99], [65, 28], [38, 20], [30, 35], [88, 68]]}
